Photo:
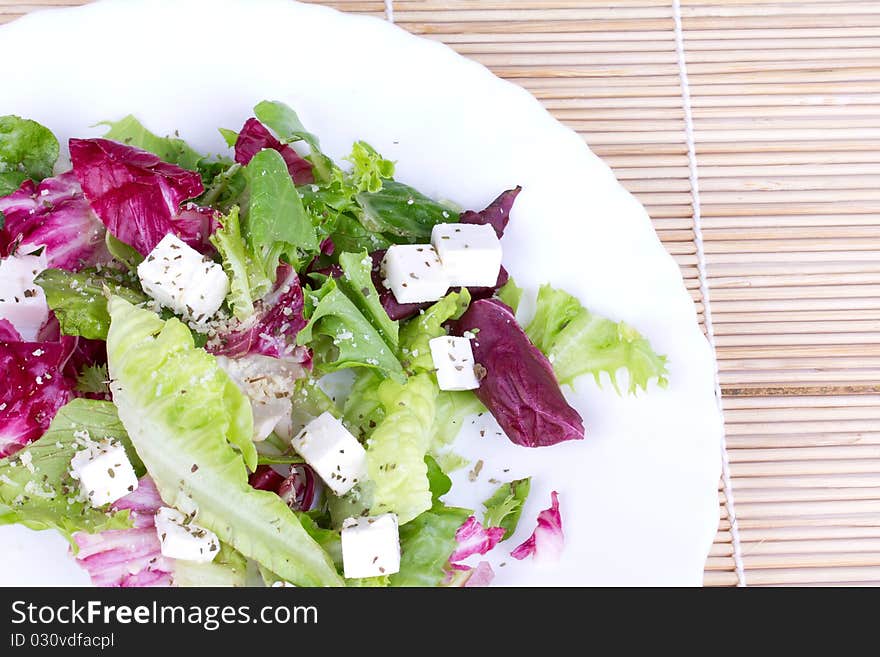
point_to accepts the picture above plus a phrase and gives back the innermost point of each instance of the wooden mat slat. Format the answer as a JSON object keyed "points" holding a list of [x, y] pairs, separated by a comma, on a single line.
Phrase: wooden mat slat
{"points": [[785, 99]]}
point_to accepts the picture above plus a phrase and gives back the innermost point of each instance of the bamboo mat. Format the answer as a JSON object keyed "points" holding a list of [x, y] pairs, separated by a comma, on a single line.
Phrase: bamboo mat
{"points": [[779, 127]]}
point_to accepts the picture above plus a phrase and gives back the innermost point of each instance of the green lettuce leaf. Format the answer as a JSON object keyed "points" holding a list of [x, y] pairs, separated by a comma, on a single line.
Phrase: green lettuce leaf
{"points": [[309, 401], [403, 212], [357, 283], [369, 169], [438, 482], [226, 188], [126, 254], [349, 235], [396, 449], [129, 130], [229, 568], [578, 342], [185, 417], [510, 294], [426, 544], [505, 506], [93, 379], [10, 181], [363, 410], [43, 495], [285, 123], [247, 281], [341, 337], [416, 334], [450, 461], [276, 224], [453, 408], [27, 150], [79, 300]]}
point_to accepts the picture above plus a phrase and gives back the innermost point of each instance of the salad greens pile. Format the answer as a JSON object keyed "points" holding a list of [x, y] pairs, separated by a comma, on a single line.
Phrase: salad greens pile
{"points": [[105, 349]]}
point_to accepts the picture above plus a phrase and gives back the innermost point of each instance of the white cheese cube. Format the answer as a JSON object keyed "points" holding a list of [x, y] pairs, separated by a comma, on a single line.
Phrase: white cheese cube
{"points": [[104, 472], [414, 273], [22, 301], [454, 363], [182, 279], [470, 253], [370, 546], [336, 455], [180, 539]]}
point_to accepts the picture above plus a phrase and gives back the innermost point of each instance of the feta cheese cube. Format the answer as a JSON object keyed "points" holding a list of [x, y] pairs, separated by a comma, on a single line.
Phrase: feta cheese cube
{"points": [[370, 546], [414, 273], [336, 455], [454, 363], [182, 279], [470, 253], [104, 472], [180, 539], [22, 301]]}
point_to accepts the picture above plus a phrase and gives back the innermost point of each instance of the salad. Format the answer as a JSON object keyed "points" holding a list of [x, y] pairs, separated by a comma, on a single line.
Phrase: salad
{"points": [[170, 324]]}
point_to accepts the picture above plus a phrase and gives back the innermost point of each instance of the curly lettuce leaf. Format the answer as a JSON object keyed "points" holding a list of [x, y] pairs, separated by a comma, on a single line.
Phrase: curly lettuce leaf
{"points": [[505, 506], [579, 342], [369, 169], [128, 130], [79, 301], [36, 489], [420, 330], [247, 281], [93, 379], [396, 449], [402, 212], [27, 150], [357, 282], [341, 337], [276, 224], [186, 422]]}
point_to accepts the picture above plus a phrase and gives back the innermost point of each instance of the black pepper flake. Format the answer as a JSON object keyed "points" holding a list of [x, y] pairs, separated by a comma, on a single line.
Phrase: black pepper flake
{"points": [[480, 371], [111, 473], [194, 467]]}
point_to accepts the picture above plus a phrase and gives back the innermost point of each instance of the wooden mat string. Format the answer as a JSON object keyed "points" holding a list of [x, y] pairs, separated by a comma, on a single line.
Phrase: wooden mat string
{"points": [[727, 484]]}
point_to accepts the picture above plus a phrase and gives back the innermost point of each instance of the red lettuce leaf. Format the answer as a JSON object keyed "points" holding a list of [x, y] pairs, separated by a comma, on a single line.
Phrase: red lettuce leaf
{"points": [[137, 196], [254, 137], [496, 214], [41, 377], [481, 575], [8, 332], [473, 538], [273, 329], [266, 478], [547, 541], [54, 215], [298, 490], [35, 387], [518, 387], [128, 557]]}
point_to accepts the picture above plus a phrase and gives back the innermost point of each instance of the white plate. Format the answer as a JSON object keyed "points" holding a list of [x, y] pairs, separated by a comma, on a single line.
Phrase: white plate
{"points": [[638, 496]]}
